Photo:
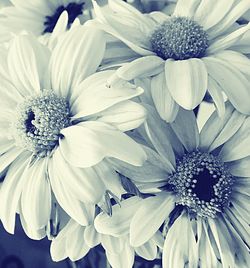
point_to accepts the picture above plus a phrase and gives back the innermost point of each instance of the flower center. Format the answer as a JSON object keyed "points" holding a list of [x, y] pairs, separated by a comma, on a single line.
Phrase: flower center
{"points": [[73, 10], [39, 121], [202, 183], [179, 38]]}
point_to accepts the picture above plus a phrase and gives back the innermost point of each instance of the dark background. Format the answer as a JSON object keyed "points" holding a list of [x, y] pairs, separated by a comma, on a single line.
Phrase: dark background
{"points": [[18, 251]]}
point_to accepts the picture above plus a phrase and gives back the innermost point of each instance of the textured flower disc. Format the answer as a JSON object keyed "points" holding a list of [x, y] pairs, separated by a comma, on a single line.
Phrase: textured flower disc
{"points": [[202, 183], [179, 38], [39, 121], [73, 10]]}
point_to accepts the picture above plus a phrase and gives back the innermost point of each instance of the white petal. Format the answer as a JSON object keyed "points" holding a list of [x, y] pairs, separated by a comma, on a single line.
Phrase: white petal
{"points": [[164, 103], [125, 259], [207, 249], [10, 96], [7, 116], [83, 183], [243, 44], [28, 62], [209, 13], [238, 60], [159, 17], [113, 245], [239, 225], [58, 249], [124, 8], [236, 86], [239, 242], [80, 212], [147, 251], [11, 191], [109, 177], [216, 93], [35, 234], [158, 239], [218, 130], [237, 147], [116, 54], [60, 28], [187, 81], [186, 8], [186, 129], [5, 145], [231, 127], [99, 96], [91, 237], [145, 83], [95, 80], [240, 168], [240, 206], [75, 247], [162, 137], [36, 196], [239, 8], [228, 40], [129, 26], [223, 241], [86, 144], [149, 217], [8, 157], [142, 67], [75, 57], [139, 45], [182, 248], [153, 170], [119, 223], [125, 116]]}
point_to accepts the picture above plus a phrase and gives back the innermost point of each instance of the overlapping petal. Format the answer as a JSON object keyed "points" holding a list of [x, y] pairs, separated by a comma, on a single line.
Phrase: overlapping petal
{"points": [[86, 144], [187, 81]]}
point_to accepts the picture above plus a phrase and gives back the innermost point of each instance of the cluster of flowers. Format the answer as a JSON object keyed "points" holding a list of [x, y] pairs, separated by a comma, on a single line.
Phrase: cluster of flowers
{"points": [[99, 141]]}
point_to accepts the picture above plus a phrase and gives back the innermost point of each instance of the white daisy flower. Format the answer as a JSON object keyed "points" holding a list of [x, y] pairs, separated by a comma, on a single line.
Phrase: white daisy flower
{"points": [[75, 241], [202, 204], [58, 122], [43, 16], [187, 53]]}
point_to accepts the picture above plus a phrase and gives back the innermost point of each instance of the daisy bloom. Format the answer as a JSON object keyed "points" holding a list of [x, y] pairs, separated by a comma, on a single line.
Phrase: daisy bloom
{"points": [[186, 53], [58, 122], [202, 204], [41, 17], [75, 241]]}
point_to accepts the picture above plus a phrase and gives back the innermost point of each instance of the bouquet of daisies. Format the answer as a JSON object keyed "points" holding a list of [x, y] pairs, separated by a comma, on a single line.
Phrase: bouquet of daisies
{"points": [[104, 146]]}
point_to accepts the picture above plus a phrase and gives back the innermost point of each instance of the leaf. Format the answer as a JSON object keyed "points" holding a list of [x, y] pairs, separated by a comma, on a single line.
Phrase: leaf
{"points": [[129, 186]]}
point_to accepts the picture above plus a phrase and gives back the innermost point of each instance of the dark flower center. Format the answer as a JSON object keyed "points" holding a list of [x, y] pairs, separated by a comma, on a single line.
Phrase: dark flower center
{"points": [[39, 121], [73, 10], [179, 38], [202, 183]]}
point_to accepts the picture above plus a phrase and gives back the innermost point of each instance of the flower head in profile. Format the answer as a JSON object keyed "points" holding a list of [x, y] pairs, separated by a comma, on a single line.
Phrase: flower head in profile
{"points": [[202, 203], [75, 241], [59, 122], [186, 54]]}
